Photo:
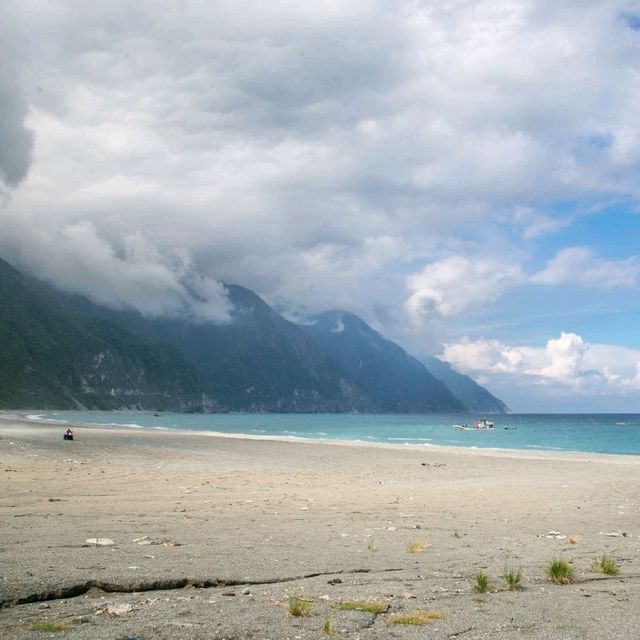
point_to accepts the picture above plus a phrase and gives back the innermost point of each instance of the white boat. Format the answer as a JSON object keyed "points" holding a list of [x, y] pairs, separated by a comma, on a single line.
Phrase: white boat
{"points": [[482, 425]]}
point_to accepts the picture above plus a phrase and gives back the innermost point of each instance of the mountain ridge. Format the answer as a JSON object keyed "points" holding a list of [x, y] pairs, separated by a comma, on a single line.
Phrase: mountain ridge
{"points": [[257, 362]]}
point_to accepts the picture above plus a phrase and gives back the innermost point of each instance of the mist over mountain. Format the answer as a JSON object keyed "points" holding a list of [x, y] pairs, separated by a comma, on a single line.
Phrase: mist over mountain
{"points": [[64, 351], [53, 357]]}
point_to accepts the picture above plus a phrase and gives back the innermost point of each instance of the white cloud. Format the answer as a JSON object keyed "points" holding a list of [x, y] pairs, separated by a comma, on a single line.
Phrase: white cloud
{"points": [[132, 273], [580, 266], [566, 364], [271, 144], [453, 285]]}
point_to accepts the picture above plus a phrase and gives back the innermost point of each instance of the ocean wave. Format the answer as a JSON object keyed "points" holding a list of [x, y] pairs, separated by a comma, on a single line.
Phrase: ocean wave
{"points": [[411, 439], [544, 447], [42, 417]]}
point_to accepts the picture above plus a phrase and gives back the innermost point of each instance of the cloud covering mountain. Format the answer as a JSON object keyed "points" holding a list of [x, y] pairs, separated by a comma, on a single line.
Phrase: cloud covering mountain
{"points": [[437, 169]]}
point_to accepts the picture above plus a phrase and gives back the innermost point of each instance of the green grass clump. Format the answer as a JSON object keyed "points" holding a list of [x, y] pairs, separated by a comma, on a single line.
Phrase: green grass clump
{"points": [[299, 607], [49, 627], [456, 534], [327, 627], [481, 583], [560, 572], [370, 544], [416, 546], [606, 564], [368, 607], [416, 618], [513, 579]]}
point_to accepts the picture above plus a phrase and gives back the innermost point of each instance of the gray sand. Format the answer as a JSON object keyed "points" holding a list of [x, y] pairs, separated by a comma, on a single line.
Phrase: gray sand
{"points": [[214, 535]]}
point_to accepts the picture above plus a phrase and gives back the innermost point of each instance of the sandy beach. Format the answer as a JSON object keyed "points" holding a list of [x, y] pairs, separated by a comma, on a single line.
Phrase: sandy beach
{"points": [[212, 537]]}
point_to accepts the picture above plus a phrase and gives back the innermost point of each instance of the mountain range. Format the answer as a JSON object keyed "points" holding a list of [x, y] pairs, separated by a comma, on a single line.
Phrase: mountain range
{"points": [[64, 351]]}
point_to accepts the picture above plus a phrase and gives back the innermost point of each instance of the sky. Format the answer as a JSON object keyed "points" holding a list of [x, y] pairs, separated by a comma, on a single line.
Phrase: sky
{"points": [[462, 175]]}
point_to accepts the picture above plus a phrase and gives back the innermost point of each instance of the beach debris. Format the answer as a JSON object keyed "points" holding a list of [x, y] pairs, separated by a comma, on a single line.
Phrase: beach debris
{"points": [[614, 534], [100, 542], [556, 535], [246, 591], [334, 581], [165, 542], [228, 593], [574, 539], [118, 608]]}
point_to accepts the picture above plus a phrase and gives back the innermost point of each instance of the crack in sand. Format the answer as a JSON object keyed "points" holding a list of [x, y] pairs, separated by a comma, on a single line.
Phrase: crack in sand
{"points": [[164, 584]]}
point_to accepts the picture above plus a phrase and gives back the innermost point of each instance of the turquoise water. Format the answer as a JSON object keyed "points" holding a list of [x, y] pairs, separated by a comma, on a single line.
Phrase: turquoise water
{"points": [[603, 433]]}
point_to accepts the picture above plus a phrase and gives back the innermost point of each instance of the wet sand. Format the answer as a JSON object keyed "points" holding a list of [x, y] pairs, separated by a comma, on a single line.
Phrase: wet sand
{"points": [[196, 518]]}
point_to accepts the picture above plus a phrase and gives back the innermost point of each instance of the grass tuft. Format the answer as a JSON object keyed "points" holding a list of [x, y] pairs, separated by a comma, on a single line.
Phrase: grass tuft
{"points": [[49, 627], [327, 627], [456, 534], [368, 607], [299, 607], [560, 572], [605, 564], [481, 583], [370, 545], [416, 618], [416, 546], [513, 579]]}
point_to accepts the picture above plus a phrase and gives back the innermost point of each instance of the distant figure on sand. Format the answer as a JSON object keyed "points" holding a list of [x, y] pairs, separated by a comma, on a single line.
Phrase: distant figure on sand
{"points": [[68, 435]]}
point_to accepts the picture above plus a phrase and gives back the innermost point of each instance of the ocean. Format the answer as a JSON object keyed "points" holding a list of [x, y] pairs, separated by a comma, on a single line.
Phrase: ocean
{"points": [[596, 433]]}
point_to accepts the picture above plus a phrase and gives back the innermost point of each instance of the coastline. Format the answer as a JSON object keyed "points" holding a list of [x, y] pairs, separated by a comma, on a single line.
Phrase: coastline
{"points": [[524, 454], [196, 516]]}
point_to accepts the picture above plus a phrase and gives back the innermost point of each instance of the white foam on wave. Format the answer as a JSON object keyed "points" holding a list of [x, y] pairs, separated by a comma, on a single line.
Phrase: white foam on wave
{"points": [[41, 417], [545, 447]]}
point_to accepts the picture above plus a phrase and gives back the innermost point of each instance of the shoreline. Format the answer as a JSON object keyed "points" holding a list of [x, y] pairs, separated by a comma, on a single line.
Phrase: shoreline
{"points": [[498, 452], [209, 536]]}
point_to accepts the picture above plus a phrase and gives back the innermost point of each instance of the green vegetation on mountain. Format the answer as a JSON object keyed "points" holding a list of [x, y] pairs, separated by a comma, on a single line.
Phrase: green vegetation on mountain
{"points": [[63, 351], [257, 362], [51, 357]]}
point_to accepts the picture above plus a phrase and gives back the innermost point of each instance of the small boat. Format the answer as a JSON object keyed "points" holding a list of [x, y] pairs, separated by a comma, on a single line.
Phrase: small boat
{"points": [[482, 425]]}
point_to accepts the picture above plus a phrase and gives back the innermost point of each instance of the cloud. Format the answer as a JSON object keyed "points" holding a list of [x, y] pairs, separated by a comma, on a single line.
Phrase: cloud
{"points": [[16, 140], [275, 145], [566, 364], [132, 275], [453, 285], [581, 267]]}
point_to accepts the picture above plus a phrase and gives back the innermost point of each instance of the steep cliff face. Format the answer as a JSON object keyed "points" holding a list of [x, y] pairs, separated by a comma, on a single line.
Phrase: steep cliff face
{"points": [[62, 351], [475, 397], [396, 381], [52, 357], [257, 362]]}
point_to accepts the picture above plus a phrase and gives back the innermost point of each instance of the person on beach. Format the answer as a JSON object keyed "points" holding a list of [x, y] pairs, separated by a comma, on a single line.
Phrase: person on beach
{"points": [[68, 435]]}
